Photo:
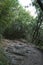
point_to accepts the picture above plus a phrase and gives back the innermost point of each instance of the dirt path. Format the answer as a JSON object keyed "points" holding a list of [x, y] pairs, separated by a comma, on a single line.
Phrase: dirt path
{"points": [[22, 53]]}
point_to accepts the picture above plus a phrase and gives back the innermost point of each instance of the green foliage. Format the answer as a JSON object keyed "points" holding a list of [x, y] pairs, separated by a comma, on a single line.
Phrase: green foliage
{"points": [[14, 20], [3, 58], [6, 13], [15, 30], [20, 26]]}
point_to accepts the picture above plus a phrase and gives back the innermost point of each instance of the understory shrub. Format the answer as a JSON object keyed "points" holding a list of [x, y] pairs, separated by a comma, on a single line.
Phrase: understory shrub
{"points": [[15, 30], [18, 30], [3, 58]]}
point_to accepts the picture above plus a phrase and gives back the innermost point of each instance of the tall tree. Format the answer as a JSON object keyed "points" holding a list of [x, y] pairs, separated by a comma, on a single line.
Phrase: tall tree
{"points": [[36, 33]]}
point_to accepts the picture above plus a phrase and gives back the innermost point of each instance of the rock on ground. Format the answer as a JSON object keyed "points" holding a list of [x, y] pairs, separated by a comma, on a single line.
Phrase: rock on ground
{"points": [[20, 53]]}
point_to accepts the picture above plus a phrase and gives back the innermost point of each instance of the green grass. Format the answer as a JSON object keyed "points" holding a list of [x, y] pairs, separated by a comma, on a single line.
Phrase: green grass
{"points": [[3, 58]]}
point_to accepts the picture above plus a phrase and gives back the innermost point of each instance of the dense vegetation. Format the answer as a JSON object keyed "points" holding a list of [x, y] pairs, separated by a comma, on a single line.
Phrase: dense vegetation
{"points": [[15, 22], [6, 13], [38, 31], [19, 27]]}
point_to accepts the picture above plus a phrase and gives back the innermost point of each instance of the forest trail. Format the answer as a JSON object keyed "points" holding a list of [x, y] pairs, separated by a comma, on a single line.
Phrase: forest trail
{"points": [[20, 52]]}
